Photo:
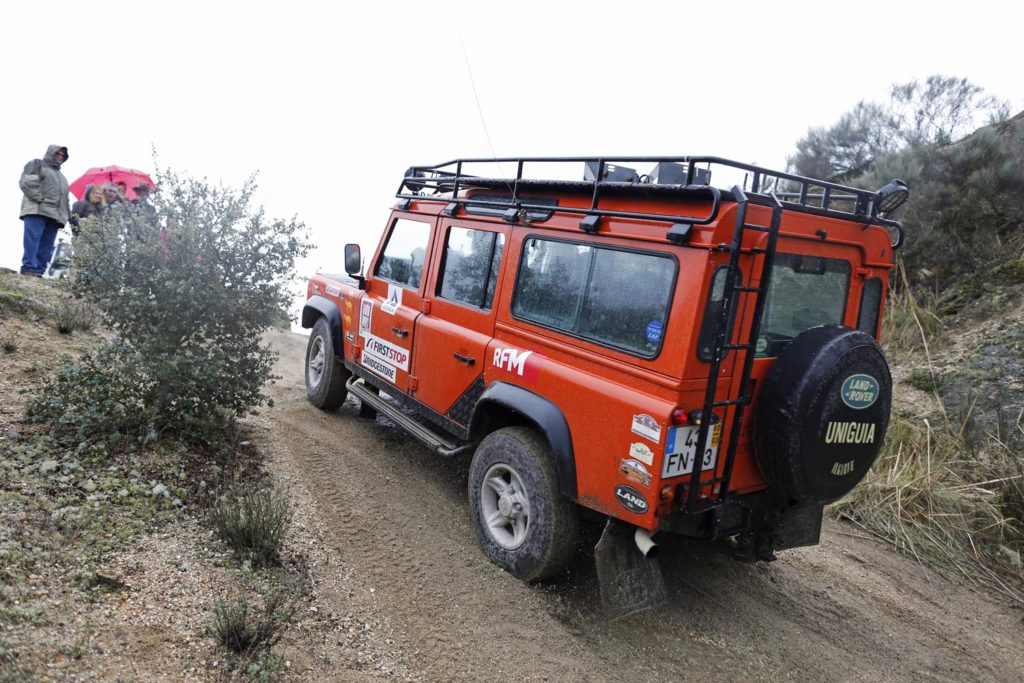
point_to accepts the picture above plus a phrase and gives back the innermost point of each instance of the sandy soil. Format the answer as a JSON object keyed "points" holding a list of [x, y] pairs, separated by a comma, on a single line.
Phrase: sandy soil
{"points": [[395, 517]]}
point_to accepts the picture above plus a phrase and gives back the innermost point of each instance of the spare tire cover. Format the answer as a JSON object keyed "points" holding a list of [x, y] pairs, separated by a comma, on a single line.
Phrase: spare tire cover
{"points": [[822, 414]]}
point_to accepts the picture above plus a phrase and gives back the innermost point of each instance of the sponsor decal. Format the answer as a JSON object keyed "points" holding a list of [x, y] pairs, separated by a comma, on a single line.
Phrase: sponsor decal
{"points": [[386, 351], [842, 468], [850, 432], [511, 360], [316, 289], [394, 299], [348, 304], [349, 336], [379, 367], [333, 290], [635, 472], [631, 499], [348, 320], [365, 317], [647, 427], [654, 331], [859, 391], [641, 452]]}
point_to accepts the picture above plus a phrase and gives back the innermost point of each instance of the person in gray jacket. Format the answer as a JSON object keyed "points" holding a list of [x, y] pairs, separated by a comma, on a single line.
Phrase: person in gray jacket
{"points": [[44, 208]]}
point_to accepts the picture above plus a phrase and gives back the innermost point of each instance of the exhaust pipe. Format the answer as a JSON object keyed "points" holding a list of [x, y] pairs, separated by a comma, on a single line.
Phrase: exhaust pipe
{"points": [[648, 548]]}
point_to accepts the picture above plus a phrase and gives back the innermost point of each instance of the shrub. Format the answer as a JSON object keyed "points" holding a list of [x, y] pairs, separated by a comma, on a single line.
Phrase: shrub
{"points": [[9, 344], [71, 316], [254, 523], [189, 287], [244, 631]]}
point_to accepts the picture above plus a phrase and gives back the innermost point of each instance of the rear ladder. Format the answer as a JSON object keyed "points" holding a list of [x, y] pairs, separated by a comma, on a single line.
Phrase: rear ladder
{"points": [[723, 345]]}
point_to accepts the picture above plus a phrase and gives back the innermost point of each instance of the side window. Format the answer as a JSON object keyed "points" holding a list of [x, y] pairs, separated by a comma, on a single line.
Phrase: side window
{"points": [[870, 304], [470, 270], [712, 316], [613, 297], [405, 253]]}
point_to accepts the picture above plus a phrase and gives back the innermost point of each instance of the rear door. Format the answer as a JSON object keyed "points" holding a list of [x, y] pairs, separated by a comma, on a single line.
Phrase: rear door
{"points": [[388, 311], [452, 338]]}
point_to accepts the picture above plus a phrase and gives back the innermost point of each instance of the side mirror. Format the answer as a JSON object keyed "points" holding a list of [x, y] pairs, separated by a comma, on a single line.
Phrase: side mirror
{"points": [[353, 260]]}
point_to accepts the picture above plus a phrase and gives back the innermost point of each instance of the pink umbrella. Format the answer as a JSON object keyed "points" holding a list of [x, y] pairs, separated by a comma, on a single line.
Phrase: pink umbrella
{"points": [[101, 175]]}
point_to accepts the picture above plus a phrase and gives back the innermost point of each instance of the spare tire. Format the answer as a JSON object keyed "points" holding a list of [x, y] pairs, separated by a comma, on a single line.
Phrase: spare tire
{"points": [[822, 414]]}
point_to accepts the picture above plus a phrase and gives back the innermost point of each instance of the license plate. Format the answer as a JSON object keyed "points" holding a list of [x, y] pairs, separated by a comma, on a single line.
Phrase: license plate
{"points": [[681, 447]]}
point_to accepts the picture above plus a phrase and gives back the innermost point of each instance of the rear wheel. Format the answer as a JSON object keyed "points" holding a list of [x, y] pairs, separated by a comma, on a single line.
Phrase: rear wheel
{"points": [[325, 375], [523, 523]]}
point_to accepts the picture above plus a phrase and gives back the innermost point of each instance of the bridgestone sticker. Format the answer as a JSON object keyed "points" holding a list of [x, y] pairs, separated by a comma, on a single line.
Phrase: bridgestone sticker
{"points": [[394, 299], [859, 391], [647, 427], [379, 367], [386, 351]]}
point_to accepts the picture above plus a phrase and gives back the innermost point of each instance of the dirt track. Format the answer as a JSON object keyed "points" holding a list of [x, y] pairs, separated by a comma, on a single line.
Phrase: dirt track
{"points": [[397, 517]]}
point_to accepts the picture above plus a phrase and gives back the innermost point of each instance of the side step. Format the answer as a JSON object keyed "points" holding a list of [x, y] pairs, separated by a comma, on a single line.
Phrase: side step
{"points": [[431, 439]]}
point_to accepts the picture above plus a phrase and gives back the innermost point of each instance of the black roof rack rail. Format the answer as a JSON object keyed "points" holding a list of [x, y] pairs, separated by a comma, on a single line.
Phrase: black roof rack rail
{"points": [[600, 176]]}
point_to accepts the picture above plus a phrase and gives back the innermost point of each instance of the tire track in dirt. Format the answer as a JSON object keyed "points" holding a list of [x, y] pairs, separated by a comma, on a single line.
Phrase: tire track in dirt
{"points": [[848, 609]]}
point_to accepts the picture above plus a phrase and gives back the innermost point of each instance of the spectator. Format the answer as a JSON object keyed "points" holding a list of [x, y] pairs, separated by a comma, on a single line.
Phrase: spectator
{"points": [[44, 208], [91, 204], [111, 195]]}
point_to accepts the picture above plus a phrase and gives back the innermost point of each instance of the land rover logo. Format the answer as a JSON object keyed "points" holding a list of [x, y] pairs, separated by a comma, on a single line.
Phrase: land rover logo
{"points": [[631, 499], [859, 391]]}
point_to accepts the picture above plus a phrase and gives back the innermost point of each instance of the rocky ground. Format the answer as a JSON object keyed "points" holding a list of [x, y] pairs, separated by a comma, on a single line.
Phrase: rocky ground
{"points": [[112, 573]]}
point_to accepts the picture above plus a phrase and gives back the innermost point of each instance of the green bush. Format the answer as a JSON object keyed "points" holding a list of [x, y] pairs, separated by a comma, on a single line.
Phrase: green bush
{"points": [[245, 631], [254, 523], [189, 287]]}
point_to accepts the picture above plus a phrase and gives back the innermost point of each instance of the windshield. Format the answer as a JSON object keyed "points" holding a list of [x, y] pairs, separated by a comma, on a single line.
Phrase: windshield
{"points": [[806, 291]]}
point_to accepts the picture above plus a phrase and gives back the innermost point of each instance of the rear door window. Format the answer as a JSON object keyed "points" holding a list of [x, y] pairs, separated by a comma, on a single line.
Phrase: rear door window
{"points": [[805, 291], [614, 297], [470, 269]]}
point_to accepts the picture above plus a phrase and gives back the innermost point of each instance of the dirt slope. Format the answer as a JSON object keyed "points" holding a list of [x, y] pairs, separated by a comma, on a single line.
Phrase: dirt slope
{"points": [[397, 517]]}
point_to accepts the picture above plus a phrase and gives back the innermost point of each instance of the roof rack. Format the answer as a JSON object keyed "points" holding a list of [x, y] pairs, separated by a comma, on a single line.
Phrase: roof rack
{"points": [[680, 176]]}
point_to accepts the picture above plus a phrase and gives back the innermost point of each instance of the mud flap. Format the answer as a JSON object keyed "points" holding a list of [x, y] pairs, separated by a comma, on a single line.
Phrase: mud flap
{"points": [[629, 582]]}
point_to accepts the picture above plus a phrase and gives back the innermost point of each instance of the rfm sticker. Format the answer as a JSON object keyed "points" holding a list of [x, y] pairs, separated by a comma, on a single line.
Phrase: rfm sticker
{"points": [[511, 360]]}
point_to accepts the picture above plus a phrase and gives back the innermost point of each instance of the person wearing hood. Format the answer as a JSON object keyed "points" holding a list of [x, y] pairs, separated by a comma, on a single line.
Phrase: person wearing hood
{"points": [[44, 208], [90, 205]]}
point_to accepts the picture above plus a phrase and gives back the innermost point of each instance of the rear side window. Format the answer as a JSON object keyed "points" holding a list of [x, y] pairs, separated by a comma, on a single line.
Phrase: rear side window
{"points": [[470, 270], [712, 315], [870, 305], [405, 253], [609, 296]]}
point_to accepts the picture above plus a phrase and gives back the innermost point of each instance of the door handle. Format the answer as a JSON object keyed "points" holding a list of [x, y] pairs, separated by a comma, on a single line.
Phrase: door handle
{"points": [[468, 360], [399, 331]]}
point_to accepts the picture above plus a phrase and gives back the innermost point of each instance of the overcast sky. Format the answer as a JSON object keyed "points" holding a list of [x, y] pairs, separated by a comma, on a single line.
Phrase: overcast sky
{"points": [[329, 103]]}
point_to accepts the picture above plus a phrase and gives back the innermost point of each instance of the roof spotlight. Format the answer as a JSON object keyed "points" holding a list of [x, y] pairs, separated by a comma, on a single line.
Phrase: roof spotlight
{"points": [[891, 197]]}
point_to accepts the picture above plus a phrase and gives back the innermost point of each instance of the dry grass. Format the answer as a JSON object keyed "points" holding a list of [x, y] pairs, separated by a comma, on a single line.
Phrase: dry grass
{"points": [[946, 504], [911, 321]]}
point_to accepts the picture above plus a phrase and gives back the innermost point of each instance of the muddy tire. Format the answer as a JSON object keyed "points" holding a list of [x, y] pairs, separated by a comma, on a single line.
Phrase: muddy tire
{"points": [[523, 523], [325, 375]]}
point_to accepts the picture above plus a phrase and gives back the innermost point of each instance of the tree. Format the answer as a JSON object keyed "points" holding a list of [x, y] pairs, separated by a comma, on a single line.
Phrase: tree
{"points": [[937, 111], [189, 286]]}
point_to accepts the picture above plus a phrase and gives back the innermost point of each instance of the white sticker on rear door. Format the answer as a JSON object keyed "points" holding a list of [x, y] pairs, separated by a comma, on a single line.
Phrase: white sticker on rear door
{"points": [[394, 299]]}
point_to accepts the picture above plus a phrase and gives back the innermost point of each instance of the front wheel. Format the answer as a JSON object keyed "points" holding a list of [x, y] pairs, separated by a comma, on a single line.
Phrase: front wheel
{"points": [[523, 523], [325, 375]]}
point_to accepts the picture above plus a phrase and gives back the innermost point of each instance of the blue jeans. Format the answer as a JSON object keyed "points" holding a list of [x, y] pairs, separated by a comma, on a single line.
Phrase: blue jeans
{"points": [[40, 234]]}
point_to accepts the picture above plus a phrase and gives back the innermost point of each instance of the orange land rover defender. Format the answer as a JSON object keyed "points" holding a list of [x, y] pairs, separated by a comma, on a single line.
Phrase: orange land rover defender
{"points": [[672, 355]]}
